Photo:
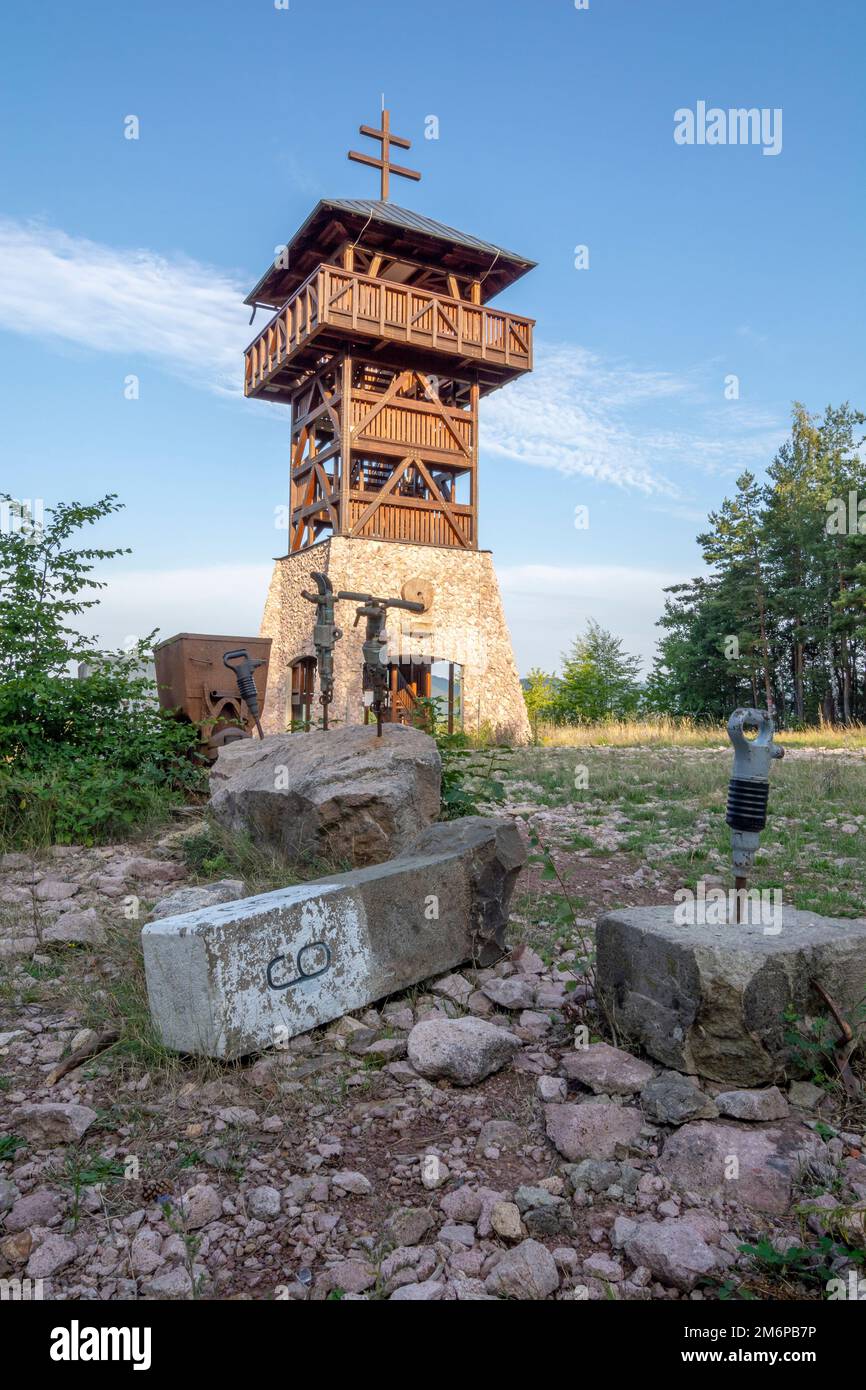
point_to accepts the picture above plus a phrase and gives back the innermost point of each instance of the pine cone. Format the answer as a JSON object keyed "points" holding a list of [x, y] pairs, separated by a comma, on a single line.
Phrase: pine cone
{"points": [[155, 1190]]}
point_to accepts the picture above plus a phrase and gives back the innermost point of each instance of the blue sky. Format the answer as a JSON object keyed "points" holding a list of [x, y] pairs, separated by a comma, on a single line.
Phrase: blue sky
{"points": [[122, 257]]}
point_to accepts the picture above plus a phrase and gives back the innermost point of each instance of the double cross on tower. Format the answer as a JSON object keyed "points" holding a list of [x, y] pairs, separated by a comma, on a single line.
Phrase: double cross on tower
{"points": [[384, 165]]}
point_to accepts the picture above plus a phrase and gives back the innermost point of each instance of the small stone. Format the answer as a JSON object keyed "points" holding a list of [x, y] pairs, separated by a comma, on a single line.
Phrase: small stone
{"points": [[78, 927], [55, 1253], [240, 1115], [607, 1070], [455, 987], [551, 1088], [592, 1130], [673, 1251], [344, 1028], [528, 1271], [386, 1049], [621, 1230], [595, 1174], [463, 1050], [479, 1004], [145, 1252], [526, 1197], [527, 961], [264, 1203], [200, 1205], [546, 1221], [55, 890], [504, 1135], [671, 1099], [458, 1234], [505, 1220], [463, 1204], [602, 1267], [39, 1208], [517, 992], [173, 1283], [52, 1122], [352, 1276], [356, 1183], [805, 1095], [195, 897], [428, 1291], [534, 1023], [16, 1248], [408, 1226], [766, 1104]]}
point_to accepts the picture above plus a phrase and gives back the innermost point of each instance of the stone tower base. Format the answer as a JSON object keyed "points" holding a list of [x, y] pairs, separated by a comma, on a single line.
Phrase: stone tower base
{"points": [[464, 623]]}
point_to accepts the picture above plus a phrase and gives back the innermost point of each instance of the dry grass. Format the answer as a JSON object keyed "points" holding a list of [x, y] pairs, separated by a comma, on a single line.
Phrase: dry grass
{"points": [[665, 731]]}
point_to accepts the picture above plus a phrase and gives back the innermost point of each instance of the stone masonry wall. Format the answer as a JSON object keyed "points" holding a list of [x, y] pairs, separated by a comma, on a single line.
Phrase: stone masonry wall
{"points": [[465, 624]]}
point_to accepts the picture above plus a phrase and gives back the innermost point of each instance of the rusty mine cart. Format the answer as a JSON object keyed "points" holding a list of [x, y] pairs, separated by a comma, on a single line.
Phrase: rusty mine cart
{"points": [[218, 683]]}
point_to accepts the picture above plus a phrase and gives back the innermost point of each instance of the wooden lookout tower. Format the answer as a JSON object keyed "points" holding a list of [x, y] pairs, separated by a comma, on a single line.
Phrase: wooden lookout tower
{"points": [[381, 339]]}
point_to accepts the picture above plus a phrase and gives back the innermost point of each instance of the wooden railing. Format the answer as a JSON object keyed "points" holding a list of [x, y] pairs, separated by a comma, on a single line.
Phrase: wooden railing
{"points": [[296, 322], [374, 308]]}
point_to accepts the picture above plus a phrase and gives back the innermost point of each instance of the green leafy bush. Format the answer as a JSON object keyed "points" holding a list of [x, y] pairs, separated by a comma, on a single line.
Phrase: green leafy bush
{"points": [[81, 760]]}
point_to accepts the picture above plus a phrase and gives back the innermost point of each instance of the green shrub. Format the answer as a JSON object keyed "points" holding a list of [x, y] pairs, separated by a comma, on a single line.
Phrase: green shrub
{"points": [[81, 760]]}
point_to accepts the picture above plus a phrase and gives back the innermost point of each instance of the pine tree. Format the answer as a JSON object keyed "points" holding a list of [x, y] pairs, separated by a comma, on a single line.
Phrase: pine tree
{"points": [[599, 680]]}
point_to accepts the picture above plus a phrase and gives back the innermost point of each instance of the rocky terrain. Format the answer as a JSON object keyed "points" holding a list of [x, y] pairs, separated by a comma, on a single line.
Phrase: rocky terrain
{"points": [[480, 1137]]}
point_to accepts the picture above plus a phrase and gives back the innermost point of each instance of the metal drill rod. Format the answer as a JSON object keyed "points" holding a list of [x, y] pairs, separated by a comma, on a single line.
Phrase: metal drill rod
{"points": [[748, 791], [240, 662], [326, 634], [375, 611]]}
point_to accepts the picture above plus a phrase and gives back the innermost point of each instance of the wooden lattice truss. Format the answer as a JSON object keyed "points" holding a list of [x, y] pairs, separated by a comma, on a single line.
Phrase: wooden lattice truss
{"points": [[382, 452]]}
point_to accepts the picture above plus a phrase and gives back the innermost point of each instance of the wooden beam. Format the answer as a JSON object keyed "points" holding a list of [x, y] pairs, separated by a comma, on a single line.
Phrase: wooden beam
{"points": [[345, 443], [381, 495], [446, 506]]}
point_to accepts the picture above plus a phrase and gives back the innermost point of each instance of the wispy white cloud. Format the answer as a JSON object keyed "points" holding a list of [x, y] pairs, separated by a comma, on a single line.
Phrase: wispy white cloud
{"points": [[578, 413], [586, 416], [571, 414], [186, 315]]}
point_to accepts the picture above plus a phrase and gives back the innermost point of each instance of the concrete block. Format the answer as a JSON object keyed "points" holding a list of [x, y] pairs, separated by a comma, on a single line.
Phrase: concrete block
{"points": [[239, 977], [711, 1000]]}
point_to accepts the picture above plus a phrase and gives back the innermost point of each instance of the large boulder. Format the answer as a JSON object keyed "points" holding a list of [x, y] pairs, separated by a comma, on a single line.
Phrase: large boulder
{"points": [[239, 977], [344, 796], [711, 1000]]}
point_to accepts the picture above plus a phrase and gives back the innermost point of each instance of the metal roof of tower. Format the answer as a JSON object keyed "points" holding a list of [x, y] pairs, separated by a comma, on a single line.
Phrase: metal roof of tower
{"points": [[392, 230]]}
